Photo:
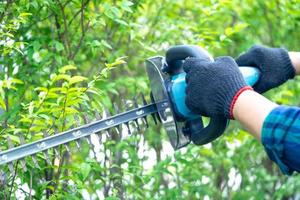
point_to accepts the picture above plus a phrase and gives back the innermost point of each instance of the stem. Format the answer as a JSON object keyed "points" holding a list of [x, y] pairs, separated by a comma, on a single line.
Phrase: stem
{"points": [[30, 186], [65, 33], [13, 179]]}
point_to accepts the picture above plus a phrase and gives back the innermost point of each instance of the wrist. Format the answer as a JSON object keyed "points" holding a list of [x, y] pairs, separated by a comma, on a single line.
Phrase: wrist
{"points": [[235, 98], [295, 59], [251, 109]]}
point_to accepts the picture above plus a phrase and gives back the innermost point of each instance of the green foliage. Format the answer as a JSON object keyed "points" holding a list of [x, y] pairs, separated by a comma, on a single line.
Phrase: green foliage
{"points": [[61, 59]]}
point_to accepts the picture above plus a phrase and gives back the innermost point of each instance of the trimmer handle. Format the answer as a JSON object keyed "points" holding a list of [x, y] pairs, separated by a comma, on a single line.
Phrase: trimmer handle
{"points": [[198, 134], [174, 58], [177, 54]]}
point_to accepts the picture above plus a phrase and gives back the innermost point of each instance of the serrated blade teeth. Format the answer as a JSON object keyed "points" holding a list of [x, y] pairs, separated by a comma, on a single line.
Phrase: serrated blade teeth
{"points": [[22, 161], [128, 128], [143, 99], [77, 120], [9, 142], [106, 112], [135, 103], [3, 178], [56, 152], [23, 165], [35, 162], [11, 168], [91, 144], [45, 134], [97, 115], [126, 109], [118, 127], [78, 144], [88, 140], [145, 103], [67, 147], [107, 134], [22, 140], [154, 115], [46, 156], [96, 137]]}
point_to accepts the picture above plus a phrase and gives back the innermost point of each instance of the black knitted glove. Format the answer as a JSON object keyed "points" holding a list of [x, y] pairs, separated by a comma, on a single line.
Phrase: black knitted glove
{"points": [[274, 63], [212, 86]]}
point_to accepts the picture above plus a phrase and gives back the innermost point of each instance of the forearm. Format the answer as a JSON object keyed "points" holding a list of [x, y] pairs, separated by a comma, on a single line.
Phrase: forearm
{"points": [[251, 109], [295, 58]]}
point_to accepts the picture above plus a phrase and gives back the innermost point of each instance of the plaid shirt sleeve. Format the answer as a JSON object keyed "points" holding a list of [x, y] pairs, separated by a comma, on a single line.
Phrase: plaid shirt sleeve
{"points": [[281, 138]]}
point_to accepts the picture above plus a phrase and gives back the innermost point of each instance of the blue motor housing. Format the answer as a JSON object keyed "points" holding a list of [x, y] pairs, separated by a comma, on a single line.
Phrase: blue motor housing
{"points": [[176, 86]]}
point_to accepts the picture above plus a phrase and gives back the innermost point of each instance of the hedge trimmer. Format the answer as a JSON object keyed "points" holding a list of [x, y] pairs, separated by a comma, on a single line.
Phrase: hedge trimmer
{"points": [[167, 82]]}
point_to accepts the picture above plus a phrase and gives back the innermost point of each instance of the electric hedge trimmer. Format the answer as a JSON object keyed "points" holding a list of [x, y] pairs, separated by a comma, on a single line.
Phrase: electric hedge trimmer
{"points": [[167, 82]]}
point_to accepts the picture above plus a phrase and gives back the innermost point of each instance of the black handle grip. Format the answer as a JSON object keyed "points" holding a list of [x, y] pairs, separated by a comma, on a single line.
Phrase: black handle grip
{"points": [[217, 124], [177, 54], [212, 131]]}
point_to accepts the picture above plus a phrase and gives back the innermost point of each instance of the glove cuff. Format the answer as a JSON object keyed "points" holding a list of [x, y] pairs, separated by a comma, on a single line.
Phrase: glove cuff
{"points": [[236, 96], [287, 64]]}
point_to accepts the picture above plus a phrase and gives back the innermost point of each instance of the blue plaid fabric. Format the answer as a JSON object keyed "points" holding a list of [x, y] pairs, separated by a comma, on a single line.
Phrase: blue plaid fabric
{"points": [[281, 138]]}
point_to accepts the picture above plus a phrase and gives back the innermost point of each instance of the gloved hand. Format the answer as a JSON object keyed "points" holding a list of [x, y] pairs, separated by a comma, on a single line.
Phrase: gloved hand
{"points": [[213, 86], [274, 63]]}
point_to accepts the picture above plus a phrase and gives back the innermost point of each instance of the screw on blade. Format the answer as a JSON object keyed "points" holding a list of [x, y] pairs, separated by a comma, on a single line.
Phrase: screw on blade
{"points": [[145, 103], [154, 115]]}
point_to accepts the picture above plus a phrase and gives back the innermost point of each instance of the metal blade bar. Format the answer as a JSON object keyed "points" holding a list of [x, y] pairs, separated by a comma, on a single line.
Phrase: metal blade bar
{"points": [[79, 132]]}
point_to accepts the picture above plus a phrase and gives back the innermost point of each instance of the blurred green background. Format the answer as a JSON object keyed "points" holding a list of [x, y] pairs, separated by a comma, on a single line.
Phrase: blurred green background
{"points": [[63, 60]]}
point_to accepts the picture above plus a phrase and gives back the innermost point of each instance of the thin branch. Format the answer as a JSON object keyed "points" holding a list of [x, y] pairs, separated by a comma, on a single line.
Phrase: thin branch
{"points": [[83, 29], [83, 5], [30, 186], [66, 32], [59, 170], [80, 41], [13, 180]]}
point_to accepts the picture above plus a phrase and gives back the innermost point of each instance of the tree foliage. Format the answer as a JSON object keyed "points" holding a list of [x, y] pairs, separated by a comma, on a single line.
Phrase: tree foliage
{"points": [[62, 61]]}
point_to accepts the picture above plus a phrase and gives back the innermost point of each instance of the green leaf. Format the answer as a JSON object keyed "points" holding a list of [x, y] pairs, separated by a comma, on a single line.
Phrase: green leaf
{"points": [[118, 61], [56, 78], [120, 21], [85, 169], [76, 79], [25, 14], [66, 68], [104, 43], [125, 5], [59, 46]]}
